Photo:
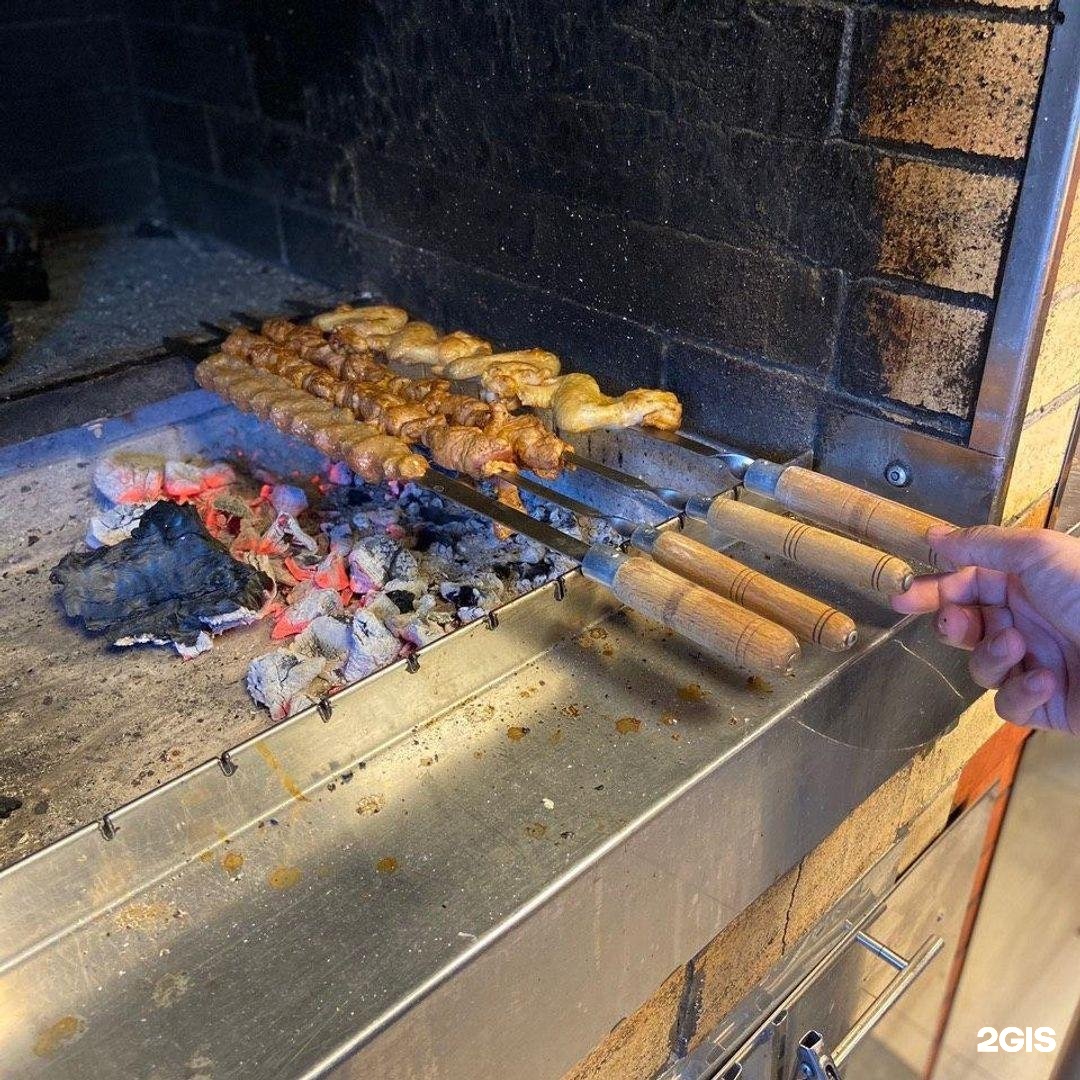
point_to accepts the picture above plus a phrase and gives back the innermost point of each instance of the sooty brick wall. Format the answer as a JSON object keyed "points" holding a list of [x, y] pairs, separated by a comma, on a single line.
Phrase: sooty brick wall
{"points": [[71, 149], [767, 205]]}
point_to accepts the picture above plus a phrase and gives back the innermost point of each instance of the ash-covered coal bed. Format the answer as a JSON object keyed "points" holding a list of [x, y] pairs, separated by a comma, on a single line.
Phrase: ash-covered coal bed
{"points": [[346, 577]]}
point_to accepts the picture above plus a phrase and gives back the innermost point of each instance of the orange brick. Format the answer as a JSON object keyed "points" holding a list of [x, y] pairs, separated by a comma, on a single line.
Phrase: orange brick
{"points": [[949, 81], [740, 955], [941, 225], [926, 353]]}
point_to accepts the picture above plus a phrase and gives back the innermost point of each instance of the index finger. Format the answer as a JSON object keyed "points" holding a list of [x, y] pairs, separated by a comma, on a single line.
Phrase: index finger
{"points": [[1011, 550], [972, 585]]}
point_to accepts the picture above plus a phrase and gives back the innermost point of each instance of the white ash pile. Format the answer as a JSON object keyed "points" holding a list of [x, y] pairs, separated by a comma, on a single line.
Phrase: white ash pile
{"points": [[361, 575]]}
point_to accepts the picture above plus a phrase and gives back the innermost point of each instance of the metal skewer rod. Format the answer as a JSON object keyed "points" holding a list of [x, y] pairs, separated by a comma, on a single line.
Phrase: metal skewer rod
{"points": [[724, 629], [807, 617]]}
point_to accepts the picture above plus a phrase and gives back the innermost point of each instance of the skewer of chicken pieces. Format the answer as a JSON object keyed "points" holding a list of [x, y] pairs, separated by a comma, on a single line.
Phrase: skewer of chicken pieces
{"points": [[525, 377], [373, 456], [415, 410]]}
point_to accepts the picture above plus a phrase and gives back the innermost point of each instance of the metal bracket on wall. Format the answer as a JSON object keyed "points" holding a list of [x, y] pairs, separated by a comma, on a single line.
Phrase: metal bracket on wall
{"points": [[1042, 216], [931, 474]]}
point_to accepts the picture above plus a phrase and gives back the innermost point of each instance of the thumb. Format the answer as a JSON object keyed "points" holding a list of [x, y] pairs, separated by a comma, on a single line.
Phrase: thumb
{"points": [[1009, 550]]}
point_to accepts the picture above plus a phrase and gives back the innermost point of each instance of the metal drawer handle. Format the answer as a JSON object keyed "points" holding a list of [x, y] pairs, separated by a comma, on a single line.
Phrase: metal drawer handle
{"points": [[815, 1061]]}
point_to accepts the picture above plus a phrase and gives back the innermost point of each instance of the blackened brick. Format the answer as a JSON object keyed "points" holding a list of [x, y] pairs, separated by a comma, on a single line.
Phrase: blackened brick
{"points": [[16, 11], [221, 13], [835, 214], [194, 64], [62, 59], [758, 408], [300, 49], [614, 157], [922, 352], [766, 66], [243, 219], [176, 132], [280, 160], [55, 133], [732, 298], [468, 220], [736, 187], [341, 254]]}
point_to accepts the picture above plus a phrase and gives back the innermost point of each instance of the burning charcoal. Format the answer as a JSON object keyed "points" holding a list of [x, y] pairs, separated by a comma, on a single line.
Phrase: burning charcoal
{"points": [[167, 582], [287, 499], [286, 527], [375, 560], [324, 637], [114, 525], [371, 646], [186, 480], [340, 474], [130, 478], [340, 535], [307, 603], [376, 520], [420, 626], [474, 598], [403, 599], [331, 573], [279, 680]]}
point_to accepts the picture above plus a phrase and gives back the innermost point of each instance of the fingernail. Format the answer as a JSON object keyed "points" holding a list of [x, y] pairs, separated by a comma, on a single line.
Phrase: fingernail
{"points": [[1038, 682], [999, 647]]}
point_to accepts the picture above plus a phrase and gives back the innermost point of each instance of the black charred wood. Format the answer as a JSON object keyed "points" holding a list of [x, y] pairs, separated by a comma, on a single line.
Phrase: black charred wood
{"points": [[163, 583]]}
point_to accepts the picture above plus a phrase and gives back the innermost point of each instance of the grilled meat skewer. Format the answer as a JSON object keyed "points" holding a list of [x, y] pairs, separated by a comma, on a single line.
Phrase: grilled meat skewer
{"points": [[526, 377], [371, 454], [417, 410], [458, 447], [535, 447]]}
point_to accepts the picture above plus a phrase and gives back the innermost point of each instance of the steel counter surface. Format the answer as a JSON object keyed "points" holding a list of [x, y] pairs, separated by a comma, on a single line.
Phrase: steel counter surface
{"points": [[486, 894]]}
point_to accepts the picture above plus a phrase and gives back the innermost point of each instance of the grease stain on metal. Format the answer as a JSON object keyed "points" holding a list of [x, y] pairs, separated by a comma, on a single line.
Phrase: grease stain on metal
{"points": [[58, 1034], [170, 988], [691, 692], [284, 877], [287, 782], [232, 862]]}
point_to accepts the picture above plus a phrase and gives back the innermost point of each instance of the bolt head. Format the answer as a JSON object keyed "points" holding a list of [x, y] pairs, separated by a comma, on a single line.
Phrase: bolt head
{"points": [[898, 473]]}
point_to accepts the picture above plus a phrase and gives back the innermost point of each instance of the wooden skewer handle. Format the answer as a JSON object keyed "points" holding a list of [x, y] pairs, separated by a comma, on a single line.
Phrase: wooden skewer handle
{"points": [[723, 629], [881, 522], [834, 557], [805, 616]]}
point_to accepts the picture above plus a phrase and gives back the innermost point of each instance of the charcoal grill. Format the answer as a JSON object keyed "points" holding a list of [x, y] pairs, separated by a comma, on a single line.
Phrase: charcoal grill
{"points": [[833, 229], [462, 810]]}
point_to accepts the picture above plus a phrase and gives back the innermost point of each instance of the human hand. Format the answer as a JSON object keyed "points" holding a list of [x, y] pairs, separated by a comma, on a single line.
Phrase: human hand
{"points": [[1013, 599]]}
